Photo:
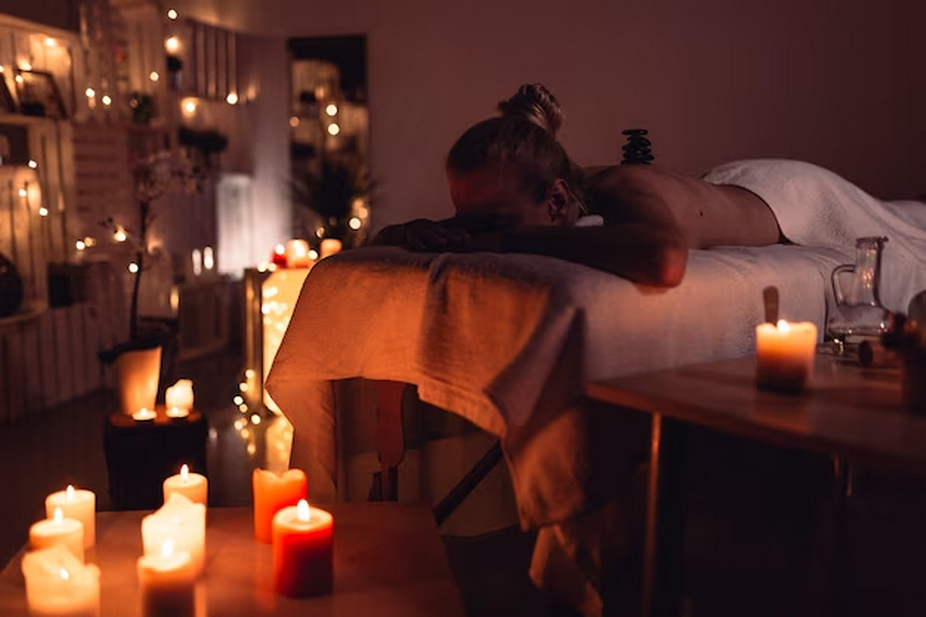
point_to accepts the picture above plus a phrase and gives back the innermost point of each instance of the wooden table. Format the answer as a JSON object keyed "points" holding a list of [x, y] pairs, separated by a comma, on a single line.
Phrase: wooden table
{"points": [[388, 560], [850, 413]]}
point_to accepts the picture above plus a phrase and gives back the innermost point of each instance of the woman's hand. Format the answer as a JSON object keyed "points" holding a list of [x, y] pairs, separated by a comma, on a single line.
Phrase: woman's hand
{"points": [[454, 235], [424, 235]]}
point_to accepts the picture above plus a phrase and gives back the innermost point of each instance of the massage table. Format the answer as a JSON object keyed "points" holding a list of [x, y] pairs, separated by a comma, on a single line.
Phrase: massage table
{"points": [[509, 341]]}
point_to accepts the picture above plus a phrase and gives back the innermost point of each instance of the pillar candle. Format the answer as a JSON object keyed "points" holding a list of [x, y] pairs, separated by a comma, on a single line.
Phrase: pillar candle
{"points": [[330, 246], [193, 486], [785, 355], [58, 584], [181, 521], [272, 493], [78, 504], [58, 530], [297, 254], [179, 395], [302, 551], [168, 582]]}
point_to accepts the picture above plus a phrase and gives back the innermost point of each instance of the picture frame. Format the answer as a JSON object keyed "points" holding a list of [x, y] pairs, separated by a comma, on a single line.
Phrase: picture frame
{"points": [[38, 95]]}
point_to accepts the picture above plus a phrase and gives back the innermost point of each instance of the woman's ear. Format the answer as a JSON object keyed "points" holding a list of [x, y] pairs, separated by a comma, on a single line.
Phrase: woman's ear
{"points": [[559, 203]]}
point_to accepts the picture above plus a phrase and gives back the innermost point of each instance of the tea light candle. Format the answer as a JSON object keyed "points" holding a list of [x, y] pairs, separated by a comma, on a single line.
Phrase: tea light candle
{"points": [[785, 355], [58, 530], [329, 246], [272, 493], [168, 582], [302, 551], [297, 254], [58, 584], [182, 522], [144, 415], [78, 504], [193, 486], [180, 395]]}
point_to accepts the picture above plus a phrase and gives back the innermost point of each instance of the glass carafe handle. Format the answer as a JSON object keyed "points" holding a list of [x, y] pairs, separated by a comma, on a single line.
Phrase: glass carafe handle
{"points": [[834, 277]]}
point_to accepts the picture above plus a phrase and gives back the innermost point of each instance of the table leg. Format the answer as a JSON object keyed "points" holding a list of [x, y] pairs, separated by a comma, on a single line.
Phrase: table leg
{"points": [[665, 519]]}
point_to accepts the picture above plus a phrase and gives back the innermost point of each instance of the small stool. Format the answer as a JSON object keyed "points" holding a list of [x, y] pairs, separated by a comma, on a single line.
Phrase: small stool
{"points": [[141, 455]]}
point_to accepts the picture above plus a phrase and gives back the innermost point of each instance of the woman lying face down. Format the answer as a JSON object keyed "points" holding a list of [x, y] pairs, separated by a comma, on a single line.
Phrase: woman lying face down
{"points": [[515, 189]]}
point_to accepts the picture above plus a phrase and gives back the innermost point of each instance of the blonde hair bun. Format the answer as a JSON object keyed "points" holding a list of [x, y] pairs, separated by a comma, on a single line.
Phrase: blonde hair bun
{"points": [[534, 103]]}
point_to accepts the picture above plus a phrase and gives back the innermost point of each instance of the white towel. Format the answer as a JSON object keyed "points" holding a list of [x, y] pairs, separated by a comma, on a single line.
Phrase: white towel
{"points": [[815, 207]]}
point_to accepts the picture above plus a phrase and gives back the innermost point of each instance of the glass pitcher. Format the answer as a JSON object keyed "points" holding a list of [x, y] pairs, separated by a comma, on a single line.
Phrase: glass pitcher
{"points": [[857, 313]]}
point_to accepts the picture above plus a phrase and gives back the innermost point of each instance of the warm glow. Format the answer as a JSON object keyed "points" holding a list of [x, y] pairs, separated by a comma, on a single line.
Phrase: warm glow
{"points": [[189, 107], [255, 419], [90, 92], [167, 549], [58, 516], [250, 373], [197, 257], [107, 100], [50, 42], [232, 98], [243, 386], [19, 79], [320, 232], [1, 68], [133, 268], [120, 235], [172, 14], [783, 325], [334, 129], [294, 122], [354, 223], [174, 298], [69, 493], [43, 211], [23, 192], [172, 45], [64, 574], [80, 245], [25, 66], [242, 407], [332, 109], [153, 76], [313, 254], [185, 472], [32, 164], [303, 511], [238, 400], [208, 258]]}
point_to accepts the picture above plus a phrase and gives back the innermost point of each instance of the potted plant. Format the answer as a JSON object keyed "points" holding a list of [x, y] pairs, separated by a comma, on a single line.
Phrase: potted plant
{"points": [[336, 194], [137, 361]]}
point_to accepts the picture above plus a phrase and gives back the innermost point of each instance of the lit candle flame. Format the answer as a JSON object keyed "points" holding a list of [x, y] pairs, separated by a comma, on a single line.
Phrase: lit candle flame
{"points": [[167, 549], [58, 516], [69, 493], [303, 513], [64, 574], [783, 325], [185, 473]]}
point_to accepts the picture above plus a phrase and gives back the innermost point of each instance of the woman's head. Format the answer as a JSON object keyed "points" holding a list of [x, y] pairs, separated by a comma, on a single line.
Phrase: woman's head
{"points": [[512, 166]]}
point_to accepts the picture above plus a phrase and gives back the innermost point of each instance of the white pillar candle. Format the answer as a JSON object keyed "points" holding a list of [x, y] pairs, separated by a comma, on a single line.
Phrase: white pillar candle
{"points": [[193, 486], [297, 254], [181, 521], [330, 246], [180, 395], [168, 582], [58, 584], [67, 532], [785, 355], [78, 504]]}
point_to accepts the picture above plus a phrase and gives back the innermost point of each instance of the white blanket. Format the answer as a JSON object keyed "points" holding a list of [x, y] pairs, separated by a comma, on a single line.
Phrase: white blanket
{"points": [[816, 207]]}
